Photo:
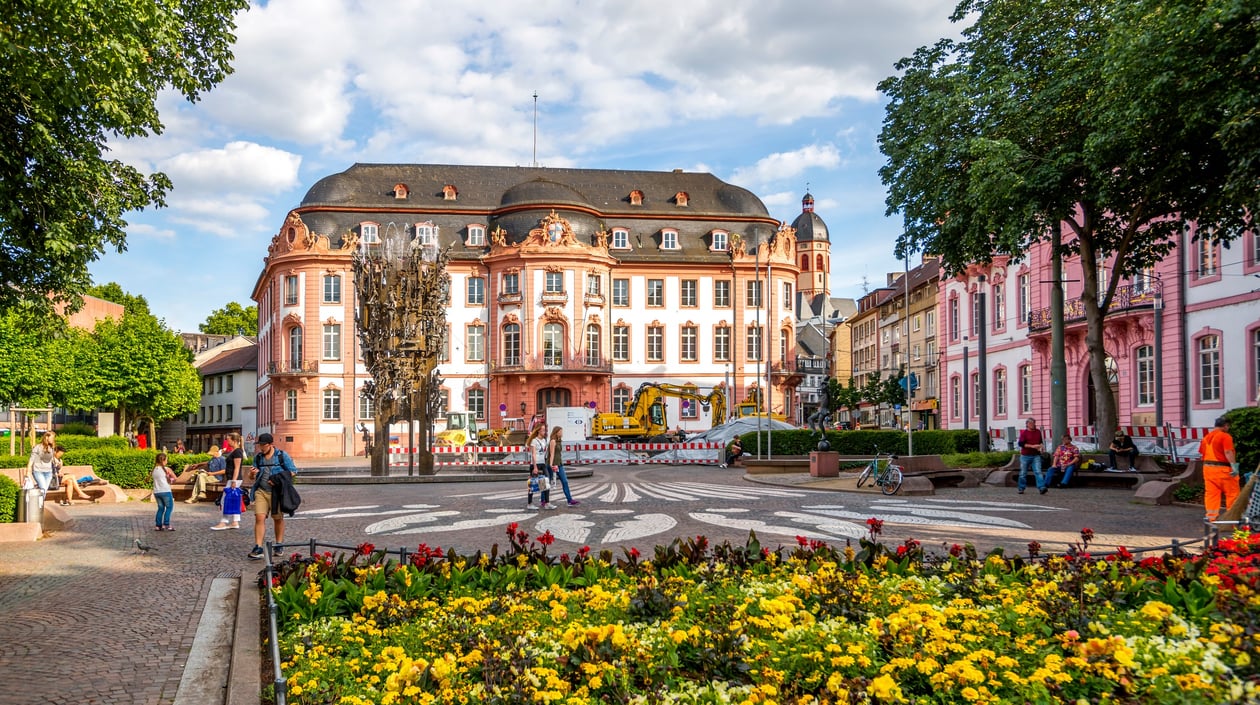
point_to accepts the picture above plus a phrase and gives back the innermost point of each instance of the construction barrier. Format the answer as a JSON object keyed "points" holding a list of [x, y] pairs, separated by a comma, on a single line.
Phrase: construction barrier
{"points": [[596, 452]]}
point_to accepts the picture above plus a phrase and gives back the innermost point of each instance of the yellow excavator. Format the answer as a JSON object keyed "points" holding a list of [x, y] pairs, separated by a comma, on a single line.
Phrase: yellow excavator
{"points": [[751, 408], [645, 418], [462, 430]]}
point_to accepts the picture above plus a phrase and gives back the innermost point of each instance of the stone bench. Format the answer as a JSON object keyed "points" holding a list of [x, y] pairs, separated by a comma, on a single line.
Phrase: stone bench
{"points": [[183, 485], [108, 492]]}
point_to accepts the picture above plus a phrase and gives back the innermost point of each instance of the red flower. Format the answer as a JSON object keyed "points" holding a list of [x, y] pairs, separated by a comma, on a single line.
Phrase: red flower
{"points": [[366, 549], [584, 551], [955, 550], [546, 539], [634, 553], [901, 550], [875, 525], [1034, 549], [1087, 535], [511, 528], [802, 541]]}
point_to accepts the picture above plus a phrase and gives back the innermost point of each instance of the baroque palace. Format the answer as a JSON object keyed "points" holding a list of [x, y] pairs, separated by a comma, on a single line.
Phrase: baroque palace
{"points": [[568, 287]]}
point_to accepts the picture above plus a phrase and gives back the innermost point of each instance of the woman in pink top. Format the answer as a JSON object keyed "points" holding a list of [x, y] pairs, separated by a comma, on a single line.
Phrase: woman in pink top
{"points": [[1066, 458]]}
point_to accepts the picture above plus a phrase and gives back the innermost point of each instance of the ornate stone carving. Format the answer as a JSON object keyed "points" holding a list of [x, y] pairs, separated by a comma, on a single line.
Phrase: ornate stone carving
{"points": [[498, 237], [553, 314], [553, 231]]}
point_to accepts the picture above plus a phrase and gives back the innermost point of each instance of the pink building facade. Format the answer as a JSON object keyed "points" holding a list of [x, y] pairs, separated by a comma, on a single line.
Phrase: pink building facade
{"points": [[1182, 339]]}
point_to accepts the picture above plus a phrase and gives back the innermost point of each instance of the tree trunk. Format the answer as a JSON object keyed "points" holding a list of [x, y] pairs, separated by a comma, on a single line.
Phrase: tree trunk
{"points": [[1104, 401]]}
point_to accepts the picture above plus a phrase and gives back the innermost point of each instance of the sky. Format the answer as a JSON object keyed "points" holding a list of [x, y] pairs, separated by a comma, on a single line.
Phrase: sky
{"points": [[772, 95]]}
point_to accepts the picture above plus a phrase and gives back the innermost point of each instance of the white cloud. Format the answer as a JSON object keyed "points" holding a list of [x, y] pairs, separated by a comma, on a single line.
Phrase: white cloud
{"points": [[239, 167], [146, 230], [780, 166]]}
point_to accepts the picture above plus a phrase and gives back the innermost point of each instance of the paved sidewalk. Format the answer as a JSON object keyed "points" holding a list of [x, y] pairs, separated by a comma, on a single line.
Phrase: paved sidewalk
{"points": [[86, 618]]}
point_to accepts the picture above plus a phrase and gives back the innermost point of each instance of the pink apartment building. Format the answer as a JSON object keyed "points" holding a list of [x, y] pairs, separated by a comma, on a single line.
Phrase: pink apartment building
{"points": [[1182, 338]]}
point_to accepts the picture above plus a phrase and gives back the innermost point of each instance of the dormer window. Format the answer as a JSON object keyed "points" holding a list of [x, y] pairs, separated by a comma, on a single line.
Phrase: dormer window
{"points": [[426, 234], [719, 241], [369, 234], [620, 239], [636, 197], [401, 191], [680, 198], [476, 236], [669, 239], [449, 193]]}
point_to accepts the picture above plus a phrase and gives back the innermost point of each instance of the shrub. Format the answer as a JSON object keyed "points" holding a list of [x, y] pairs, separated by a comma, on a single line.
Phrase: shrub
{"points": [[1244, 426], [8, 499], [91, 443], [995, 459], [862, 442], [76, 428]]}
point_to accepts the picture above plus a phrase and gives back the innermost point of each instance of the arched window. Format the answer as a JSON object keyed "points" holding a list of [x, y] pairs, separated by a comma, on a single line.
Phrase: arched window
{"points": [[818, 263], [805, 263], [553, 345], [295, 348]]}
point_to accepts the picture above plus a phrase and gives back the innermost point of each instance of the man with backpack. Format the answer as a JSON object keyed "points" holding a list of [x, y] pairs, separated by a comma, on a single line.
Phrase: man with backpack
{"points": [[272, 490]]}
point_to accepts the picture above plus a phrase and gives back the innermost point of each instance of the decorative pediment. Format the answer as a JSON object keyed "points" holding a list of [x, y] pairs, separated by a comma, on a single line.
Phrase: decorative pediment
{"points": [[511, 318], [621, 322], [331, 321], [689, 324], [656, 323], [332, 386], [593, 319], [552, 231], [553, 268], [290, 320], [476, 322], [553, 314]]}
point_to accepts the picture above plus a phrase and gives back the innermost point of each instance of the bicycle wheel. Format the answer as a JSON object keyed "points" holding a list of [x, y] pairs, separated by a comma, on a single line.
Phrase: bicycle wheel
{"points": [[891, 480], [866, 475]]}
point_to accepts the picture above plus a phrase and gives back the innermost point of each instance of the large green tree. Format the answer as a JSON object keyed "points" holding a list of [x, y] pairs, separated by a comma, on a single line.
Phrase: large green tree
{"points": [[74, 75], [113, 291], [1045, 122], [140, 368], [232, 319]]}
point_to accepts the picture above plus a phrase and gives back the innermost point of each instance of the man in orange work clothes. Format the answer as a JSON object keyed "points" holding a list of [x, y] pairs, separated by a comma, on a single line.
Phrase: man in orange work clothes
{"points": [[1220, 468]]}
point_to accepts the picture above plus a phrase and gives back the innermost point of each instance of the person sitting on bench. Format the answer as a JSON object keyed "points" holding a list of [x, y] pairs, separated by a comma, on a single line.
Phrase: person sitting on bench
{"points": [[1066, 457], [1124, 446]]}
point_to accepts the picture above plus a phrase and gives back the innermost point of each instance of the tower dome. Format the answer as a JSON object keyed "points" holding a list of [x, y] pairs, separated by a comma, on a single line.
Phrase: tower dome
{"points": [[809, 227]]}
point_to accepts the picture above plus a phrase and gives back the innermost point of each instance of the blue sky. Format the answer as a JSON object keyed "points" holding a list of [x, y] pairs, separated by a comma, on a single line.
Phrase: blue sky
{"points": [[769, 95]]}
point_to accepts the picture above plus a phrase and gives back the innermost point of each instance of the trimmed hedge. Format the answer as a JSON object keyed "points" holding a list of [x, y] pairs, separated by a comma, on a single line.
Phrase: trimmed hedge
{"points": [[865, 442], [1244, 426], [126, 467], [8, 499]]}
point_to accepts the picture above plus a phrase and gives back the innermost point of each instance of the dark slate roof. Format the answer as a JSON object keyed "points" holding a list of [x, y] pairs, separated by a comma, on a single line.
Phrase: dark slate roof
{"points": [[234, 360], [517, 198], [486, 188]]}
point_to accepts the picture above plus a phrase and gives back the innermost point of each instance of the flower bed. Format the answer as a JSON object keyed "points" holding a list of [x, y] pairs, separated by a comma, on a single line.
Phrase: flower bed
{"points": [[747, 624]]}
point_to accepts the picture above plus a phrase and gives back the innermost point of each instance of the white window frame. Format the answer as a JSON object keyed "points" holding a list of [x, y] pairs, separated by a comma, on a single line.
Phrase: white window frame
{"points": [[426, 234], [475, 345], [331, 347], [369, 234], [669, 239], [476, 294], [477, 235], [331, 405], [719, 241], [620, 239]]}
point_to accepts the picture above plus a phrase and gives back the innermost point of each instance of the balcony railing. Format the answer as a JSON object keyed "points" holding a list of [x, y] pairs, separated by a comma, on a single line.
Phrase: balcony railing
{"points": [[554, 297], [1127, 298], [593, 299], [811, 365], [300, 367], [553, 363], [510, 297]]}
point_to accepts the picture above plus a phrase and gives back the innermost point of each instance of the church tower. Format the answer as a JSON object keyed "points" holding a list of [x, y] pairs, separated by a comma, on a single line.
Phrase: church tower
{"points": [[813, 248]]}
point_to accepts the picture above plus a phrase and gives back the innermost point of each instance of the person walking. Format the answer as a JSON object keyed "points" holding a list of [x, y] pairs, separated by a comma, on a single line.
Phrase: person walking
{"points": [[268, 461], [537, 443], [536, 484], [555, 458], [1030, 445], [40, 465], [1220, 469], [162, 495]]}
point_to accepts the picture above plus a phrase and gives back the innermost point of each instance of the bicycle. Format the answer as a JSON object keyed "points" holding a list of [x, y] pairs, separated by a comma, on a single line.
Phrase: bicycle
{"points": [[888, 479]]}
